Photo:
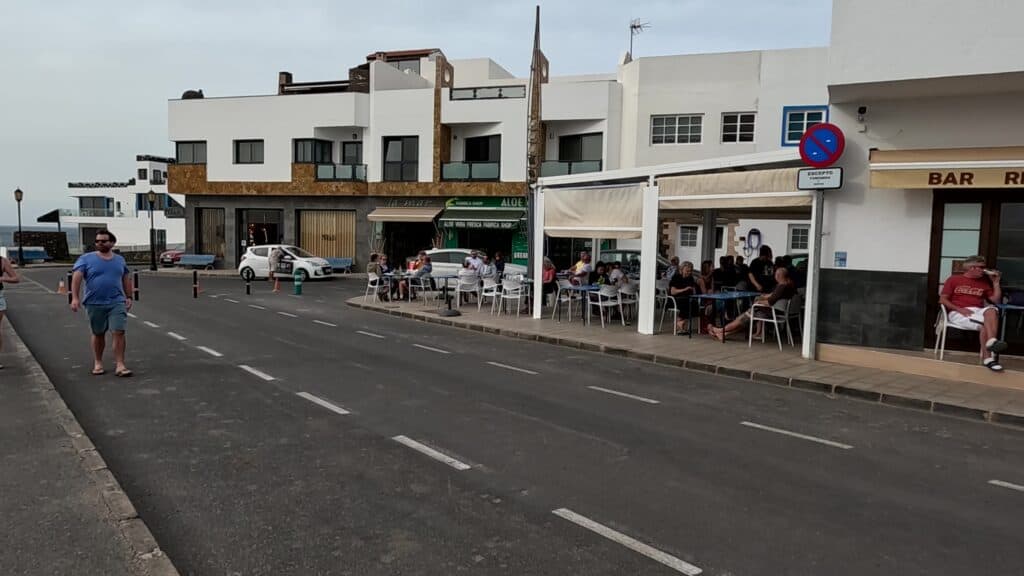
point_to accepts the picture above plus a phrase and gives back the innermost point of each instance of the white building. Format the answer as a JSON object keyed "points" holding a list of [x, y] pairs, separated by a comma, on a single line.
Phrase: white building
{"points": [[123, 208]]}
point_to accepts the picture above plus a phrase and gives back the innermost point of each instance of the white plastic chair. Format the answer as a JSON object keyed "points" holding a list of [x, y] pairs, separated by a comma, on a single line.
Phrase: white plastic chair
{"points": [[490, 290], [794, 311], [627, 298], [512, 290], [667, 302], [418, 283], [468, 285], [942, 327], [775, 315], [375, 285], [605, 297], [565, 294]]}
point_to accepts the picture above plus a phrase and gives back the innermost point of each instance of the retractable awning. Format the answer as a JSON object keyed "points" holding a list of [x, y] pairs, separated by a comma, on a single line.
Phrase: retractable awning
{"points": [[948, 168], [746, 189], [494, 219], [598, 212], [403, 214]]}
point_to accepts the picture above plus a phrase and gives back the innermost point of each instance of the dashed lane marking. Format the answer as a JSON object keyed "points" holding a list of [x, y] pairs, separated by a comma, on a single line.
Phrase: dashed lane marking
{"points": [[507, 367], [428, 451], [624, 394], [321, 402], [322, 323], [798, 435], [256, 372], [210, 351], [176, 336], [432, 349], [370, 334]]}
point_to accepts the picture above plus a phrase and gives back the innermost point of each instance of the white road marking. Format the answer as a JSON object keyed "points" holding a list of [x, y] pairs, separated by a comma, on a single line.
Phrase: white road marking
{"points": [[624, 395], [288, 314], [256, 307], [507, 367], [150, 324], [133, 316], [324, 403], [178, 337], [322, 323], [631, 543], [256, 372], [370, 334], [1009, 485], [41, 286], [210, 351], [438, 350], [232, 301], [798, 435], [427, 450]]}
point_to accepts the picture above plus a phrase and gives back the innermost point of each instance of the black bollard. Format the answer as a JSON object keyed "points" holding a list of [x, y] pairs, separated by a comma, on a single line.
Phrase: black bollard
{"points": [[195, 284], [68, 285], [248, 286], [135, 283]]}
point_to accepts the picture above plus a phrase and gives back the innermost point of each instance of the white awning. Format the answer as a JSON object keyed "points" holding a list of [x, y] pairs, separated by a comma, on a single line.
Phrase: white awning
{"points": [[403, 214], [746, 189], [606, 212]]}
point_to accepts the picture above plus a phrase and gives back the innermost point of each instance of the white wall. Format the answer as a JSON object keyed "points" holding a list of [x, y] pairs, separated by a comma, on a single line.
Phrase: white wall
{"points": [[891, 229], [881, 40], [401, 113], [277, 120], [556, 130], [471, 72]]}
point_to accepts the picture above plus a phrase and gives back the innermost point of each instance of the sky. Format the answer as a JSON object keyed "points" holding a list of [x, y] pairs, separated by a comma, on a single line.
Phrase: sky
{"points": [[84, 85]]}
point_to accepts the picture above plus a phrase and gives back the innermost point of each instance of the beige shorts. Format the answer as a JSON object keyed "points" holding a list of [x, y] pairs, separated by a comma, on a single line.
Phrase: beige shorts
{"points": [[973, 322]]}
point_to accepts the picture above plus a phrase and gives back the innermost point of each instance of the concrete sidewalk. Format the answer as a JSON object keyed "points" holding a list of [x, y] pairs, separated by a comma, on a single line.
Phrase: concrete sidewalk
{"points": [[762, 364], [62, 511]]}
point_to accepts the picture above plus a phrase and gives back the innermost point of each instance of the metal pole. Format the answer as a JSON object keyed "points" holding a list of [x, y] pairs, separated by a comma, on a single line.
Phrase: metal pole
{"points": [[248, 286], [21, 240], [135, 285], [195, 283], [152, 240], [70, 293], [810, 335]]}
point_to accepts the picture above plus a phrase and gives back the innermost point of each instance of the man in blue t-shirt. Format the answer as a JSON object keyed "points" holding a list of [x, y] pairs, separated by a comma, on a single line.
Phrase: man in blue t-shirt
{"points": [[108, 289]]}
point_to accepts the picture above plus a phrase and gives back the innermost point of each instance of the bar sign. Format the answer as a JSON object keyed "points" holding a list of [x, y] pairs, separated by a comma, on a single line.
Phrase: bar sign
{"points": [[819, 179]]}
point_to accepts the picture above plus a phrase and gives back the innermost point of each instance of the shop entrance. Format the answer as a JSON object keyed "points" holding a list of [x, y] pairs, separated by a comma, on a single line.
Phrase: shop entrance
{"points": [[406, 239], [259, 227], [987, 222]]}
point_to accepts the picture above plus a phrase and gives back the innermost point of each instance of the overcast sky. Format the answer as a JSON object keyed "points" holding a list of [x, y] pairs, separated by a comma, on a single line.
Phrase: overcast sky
{"points": [[84, 85]]}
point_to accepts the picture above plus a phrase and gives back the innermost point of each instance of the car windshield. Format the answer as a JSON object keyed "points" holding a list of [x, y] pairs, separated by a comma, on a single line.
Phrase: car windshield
{"points": [[298, 252]]}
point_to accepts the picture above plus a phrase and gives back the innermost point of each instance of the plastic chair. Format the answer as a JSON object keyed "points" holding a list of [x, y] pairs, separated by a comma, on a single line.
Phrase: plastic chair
{"points": [[942, 327], [661, 296], [774, 315], [627, 298], [605, 297], [490, 290], [565, 294], [512, 290], [421, 283], [468, 285], [375, 285]]}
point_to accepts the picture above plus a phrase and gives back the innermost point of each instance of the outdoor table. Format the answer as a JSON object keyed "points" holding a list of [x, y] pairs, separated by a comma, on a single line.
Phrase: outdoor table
{"points": [[449, 311], [1003, 309], [582, 289], [722, 297]]}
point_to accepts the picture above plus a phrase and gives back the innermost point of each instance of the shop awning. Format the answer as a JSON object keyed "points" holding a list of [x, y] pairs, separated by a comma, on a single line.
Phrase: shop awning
{"points": [[604, 212], [494, 219], [403, 214], [948, 168], [745, 189]]}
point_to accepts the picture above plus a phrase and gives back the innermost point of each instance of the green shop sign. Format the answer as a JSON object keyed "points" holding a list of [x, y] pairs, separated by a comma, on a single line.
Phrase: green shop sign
{"points": [[485, 203]]}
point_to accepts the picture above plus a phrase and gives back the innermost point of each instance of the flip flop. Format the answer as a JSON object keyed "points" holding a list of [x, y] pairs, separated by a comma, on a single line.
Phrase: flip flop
{"points": [[992, 364], [995, 345], [123, 373], [99, 372]]}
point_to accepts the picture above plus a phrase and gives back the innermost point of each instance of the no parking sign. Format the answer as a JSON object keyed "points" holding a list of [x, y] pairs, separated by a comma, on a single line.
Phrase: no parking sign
{"points": [[822, 145]]}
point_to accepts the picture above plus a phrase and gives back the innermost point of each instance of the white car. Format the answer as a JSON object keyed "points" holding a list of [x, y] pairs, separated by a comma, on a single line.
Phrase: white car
{"points": [[256, 262], [448, 262]]}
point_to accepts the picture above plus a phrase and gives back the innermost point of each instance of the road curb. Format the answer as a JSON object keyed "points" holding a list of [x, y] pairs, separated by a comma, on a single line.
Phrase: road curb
{"points": [[847, 391], [146, 551]]}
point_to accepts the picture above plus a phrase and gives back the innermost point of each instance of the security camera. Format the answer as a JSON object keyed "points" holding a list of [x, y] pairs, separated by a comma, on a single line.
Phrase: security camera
{"points": [[862, 110]]}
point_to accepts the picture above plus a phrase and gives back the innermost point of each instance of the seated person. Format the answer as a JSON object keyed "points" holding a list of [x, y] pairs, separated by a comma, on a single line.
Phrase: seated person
{"points": [[549, 277], [967, 298], [706, 278], [468, 275], [725, 275], [673, 268], [487, 269], [617, 276], [374, 266], [742, 271], [600, 275], [421, 270], [580, 272], [681, 286], [784, 290]]}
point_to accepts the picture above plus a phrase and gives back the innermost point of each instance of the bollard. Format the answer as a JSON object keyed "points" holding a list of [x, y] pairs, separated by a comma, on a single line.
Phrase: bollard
{"points": [[135, 286], [195, 284], [248, 286], [70, 294], [297, 278]]}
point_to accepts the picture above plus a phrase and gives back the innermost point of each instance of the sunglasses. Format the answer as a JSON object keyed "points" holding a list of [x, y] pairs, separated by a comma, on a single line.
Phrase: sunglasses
{"points": [[103, 241]]}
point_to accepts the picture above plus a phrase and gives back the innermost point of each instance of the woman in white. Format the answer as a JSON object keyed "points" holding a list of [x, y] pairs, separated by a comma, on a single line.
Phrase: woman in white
{"points": [[7, 276]]}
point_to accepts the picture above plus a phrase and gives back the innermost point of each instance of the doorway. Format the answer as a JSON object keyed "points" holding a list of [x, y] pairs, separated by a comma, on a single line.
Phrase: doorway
{"points": [[259, 227], [987, 222]]}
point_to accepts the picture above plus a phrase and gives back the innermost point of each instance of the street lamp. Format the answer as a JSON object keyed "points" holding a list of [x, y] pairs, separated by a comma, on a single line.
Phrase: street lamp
{"points": [[151, 196], [18, 195]]}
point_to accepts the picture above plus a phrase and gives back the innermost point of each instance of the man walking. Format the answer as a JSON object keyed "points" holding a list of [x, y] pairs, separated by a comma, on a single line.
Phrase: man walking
{"points": [[108, 289]]}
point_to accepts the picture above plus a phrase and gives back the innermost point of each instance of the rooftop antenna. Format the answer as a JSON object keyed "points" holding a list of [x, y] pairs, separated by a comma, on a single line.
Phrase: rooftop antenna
{"points": [[636, 26]]}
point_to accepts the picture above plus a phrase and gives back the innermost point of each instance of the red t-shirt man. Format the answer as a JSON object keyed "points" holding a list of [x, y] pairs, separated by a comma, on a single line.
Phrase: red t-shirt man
{"points": [[965, 292], [968, 299]]}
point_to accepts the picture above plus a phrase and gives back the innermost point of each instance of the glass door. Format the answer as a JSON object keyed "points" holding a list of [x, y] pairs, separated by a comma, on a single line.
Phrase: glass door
{"points": [[1009, 259]]}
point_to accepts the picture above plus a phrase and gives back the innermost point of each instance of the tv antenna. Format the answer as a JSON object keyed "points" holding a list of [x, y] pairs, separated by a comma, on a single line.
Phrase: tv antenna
{"points": [[636, 26]]}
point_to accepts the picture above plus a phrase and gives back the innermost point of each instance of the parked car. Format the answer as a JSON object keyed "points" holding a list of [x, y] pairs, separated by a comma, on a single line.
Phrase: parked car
{"points": [[256, 262], [630, 260], [171, 257], [448, 261]]}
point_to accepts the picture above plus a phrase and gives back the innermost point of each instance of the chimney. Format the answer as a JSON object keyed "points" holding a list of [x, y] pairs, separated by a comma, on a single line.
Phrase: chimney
{"points": [[283, 79]]}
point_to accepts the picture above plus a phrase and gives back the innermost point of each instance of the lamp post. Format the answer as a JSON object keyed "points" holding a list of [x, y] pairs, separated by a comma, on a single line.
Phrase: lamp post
{"points": [[18, 195], [151, 196]]}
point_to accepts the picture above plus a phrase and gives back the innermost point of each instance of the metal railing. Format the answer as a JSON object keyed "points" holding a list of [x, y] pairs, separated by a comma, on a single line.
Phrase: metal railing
{"points": [[559, 168], [470, 171], [344, 172], [488, 92], [88, 212]]}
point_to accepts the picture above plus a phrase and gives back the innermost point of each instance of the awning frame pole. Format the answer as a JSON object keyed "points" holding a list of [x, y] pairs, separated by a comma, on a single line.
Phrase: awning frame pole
{"points": [[648, 260], [538, 252]]}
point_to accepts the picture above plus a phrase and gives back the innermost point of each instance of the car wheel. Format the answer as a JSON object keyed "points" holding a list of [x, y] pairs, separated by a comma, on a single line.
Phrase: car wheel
{"points": [[304, 275], [247, 274]]}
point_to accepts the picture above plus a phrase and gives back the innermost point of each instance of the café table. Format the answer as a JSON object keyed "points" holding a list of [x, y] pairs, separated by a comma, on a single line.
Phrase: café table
{"points": [[583, 289], [1003, 309], [722, 297]]}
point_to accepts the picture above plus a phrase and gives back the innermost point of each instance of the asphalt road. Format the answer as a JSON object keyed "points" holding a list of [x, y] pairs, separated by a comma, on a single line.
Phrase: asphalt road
{"points": [[273, 434]]}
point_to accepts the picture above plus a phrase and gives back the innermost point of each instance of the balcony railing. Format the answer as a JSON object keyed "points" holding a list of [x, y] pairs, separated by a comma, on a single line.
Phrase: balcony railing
{"points": [[174, 212], [343, 172], [488, 92], [559, 168], [466, 171], [87, 212]]}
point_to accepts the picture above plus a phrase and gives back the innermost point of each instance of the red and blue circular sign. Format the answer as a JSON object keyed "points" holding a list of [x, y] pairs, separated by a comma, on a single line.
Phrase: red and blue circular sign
{"points": [[822, 145]]}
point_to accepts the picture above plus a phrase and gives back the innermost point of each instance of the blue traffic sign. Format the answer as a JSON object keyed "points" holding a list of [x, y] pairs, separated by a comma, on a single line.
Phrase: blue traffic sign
{"points": [[822, 145]]}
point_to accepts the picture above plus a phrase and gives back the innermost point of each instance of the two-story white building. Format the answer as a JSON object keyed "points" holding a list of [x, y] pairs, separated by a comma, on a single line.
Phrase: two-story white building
{"points": [[123, 208]]}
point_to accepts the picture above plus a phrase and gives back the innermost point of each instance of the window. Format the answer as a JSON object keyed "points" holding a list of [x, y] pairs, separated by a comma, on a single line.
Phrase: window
{"points": [[248, 151], [738, 127], [719, 237], [142, 202], [351, 153], [483, 149], [401, 155], [799, 237], [580, 148], [684, 129], [191, 152], [688, 236], [142, 174], [412, 65], [311, 151], [796, 120]]}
